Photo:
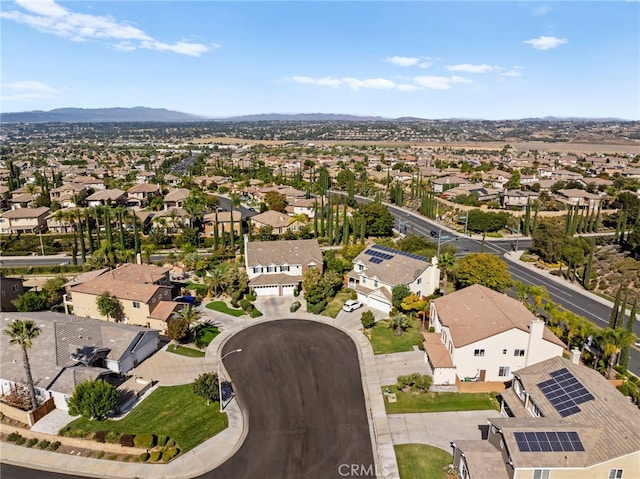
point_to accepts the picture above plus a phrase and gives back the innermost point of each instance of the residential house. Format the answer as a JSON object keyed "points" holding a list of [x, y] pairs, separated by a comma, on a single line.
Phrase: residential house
{"points": [[176, 198], [517, 198], [5, 196], [580, 198], [280, 222], [69, 195], [560, 420], [138, 195], [172, 180], [23, 220], [70, 350], [112, 197], [171, 220], [378, 269], [89, 182], [447, 182], [484, 335], [224, 223], [10, 289], [22, 200], [144, 291], [304, 206], [275, 268]]}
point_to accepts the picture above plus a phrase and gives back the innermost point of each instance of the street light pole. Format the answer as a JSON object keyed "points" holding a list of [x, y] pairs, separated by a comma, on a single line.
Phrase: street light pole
{"points": [[220, 374]]}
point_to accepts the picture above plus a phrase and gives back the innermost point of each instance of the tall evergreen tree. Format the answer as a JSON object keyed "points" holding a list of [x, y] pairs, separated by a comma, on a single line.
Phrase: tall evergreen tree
{"points": [[631, 322], [614, 311]]}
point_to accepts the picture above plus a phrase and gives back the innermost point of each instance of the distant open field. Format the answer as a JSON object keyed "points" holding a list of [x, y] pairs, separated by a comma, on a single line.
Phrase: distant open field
{"points": [[580, 148]]}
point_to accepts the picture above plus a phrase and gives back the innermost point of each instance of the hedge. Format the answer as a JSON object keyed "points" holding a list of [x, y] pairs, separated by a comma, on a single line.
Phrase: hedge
{"points": [[144, 440]]}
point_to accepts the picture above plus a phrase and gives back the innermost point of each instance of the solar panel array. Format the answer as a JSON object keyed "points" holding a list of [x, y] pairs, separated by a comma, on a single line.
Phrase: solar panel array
{"points": [[403, 253], [565, 392], [549, 442]]}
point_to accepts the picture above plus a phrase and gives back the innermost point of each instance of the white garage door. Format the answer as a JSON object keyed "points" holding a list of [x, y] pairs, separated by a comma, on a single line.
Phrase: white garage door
{"points": [[288, 290], [378, 304], [266, 290]]}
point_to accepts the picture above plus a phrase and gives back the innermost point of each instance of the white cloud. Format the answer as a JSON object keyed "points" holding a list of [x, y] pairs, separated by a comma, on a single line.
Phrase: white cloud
{"points": [[541, 10], [457, 79], [49, 17], [424, 65], [27, 90], [403, 61], [351, 83], [433, 82], [405, 87], [471, 68], [514, 72], [546, 43]]}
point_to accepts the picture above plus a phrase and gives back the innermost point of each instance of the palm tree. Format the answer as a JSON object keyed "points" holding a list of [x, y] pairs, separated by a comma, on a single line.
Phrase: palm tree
{"points": [[612, 342], [446, 262], [399, 322], [213, 281], [189, 314], [22, 333]]}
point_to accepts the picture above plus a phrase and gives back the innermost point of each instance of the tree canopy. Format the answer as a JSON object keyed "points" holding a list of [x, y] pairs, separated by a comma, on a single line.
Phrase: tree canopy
{"points": [[378, 219], [483, 268], [93, 399]]}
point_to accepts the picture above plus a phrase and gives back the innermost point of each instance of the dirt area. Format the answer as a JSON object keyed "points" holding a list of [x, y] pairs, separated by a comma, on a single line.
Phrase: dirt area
{"points": [[613, 267]]}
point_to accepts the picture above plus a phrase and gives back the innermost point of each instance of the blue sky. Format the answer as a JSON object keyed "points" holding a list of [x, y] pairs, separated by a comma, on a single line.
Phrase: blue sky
{"points": [[493, 60]]}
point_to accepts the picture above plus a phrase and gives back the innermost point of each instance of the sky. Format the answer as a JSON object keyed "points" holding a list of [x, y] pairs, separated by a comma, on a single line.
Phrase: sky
{"points": [[447, 59]]}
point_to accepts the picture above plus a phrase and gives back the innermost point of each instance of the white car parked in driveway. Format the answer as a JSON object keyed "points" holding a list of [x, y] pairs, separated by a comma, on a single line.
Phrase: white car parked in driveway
{"points": [[351, 305]]}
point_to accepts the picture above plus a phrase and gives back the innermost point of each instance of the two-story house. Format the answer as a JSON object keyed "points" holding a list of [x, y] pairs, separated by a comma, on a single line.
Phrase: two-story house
{"points": [[223, 221], [279, 222], [275, 268], [112, 197], [176, 198], [560, 420], [24, 220], [580, 198], [378, 269], [482, 335], [10, 289], [145, 294]]}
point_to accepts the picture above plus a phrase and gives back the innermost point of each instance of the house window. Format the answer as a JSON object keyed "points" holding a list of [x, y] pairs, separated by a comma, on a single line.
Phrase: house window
{"points": [[541, 473], [478, 352], [136, 304], [284, 268], [15, 288], [271, 269], [364, 280], [360, 267], [257, 269], [504, 351], [375, 283], [518, 352], [503, 371], [419, 280], [166, 293], [616, 473], [3, 293]]}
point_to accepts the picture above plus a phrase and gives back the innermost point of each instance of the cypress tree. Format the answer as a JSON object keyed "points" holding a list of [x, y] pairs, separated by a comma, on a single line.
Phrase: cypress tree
{"points": [[345, 226], [89, 232], [614, 311], [330, 221], [136, 235], [534, 225], [315, 218], [596, 224], [567, 223], [624, 353], [363, 230], [322, 213], [233, 236], [216, 234], [527, 218], [623, 310], [586, 274], [83, 248]]}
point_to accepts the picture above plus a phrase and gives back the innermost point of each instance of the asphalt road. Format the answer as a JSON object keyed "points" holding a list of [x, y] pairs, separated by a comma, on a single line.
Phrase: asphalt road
{"points": [[301, 385]]}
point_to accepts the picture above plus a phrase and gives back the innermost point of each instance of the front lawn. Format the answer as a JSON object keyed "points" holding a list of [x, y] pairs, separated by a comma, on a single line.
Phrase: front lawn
{"points": [[172, 411], [384, 339], [438, 402], [335, 305], [185, 351], [418, 461], [205, 333], [221, 307]]}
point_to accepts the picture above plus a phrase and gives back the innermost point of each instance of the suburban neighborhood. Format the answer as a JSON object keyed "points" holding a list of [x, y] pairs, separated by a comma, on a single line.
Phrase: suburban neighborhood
{"points": [[378, 275]]}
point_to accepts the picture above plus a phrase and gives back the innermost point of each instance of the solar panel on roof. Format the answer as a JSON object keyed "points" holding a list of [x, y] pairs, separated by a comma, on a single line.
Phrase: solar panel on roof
{"points": [[376, 260], [564, 392], [548, 441]]}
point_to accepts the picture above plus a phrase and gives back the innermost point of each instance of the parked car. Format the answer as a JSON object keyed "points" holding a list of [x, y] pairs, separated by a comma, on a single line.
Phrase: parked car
{"points": [[191, 300], [351, 305]]}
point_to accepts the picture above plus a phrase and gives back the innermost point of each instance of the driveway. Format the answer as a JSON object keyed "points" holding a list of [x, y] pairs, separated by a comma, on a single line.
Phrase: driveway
{"points": [[300, 385]]}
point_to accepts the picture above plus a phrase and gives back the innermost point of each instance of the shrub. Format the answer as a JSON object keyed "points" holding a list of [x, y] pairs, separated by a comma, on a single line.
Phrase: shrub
{"points": [[54, 446], [155, 456], [245, 304], [32, 442], [251, 296], [44, 444], [144, 457], [169, 454], [415, 382], [126, 440], [317, 308], [295, 306], [171, 443], [13, 437], [144, 440], [255, 313], [113, 457], [126, 458], [20, 441], [76, 432], [112, 437], [100, 455], [162, 440], [99, 436], [367, 319], [200, 343]]}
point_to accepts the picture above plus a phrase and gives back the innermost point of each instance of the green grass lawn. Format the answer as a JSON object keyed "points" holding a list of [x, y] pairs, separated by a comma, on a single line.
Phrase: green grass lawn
{"points": [[335, 305], [197, 287], [222, 307], [185, 351], [384, 339], [206, 333], [438, 402], [173, 411], [419, 461]]}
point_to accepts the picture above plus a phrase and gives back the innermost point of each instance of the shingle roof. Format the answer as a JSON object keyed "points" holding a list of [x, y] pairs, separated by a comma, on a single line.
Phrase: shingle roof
{"points": [[273, 218], [439, 357], [113, 194], [177, 194], [291, 252], [275, 279], [140, 273], [483, 460], [223, 217], [607, 425], [477, 312], [61, 335], [400, 269], [23, 213], [120, 289]]}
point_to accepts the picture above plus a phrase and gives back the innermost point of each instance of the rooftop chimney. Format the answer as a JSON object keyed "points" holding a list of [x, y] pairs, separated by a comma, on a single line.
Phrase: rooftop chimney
{"points": [[575, 356]]}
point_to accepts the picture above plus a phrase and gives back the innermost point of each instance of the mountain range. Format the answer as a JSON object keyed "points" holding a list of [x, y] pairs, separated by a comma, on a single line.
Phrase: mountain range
{"points": [[144, 114]]}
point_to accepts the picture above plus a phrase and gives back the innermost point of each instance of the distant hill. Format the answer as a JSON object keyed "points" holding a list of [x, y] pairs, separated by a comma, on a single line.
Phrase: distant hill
{"points": [[304, 117], [96, 115]]}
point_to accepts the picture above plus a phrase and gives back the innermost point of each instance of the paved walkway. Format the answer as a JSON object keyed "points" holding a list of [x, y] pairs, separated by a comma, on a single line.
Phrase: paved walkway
{"points": [[390, 366]]}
